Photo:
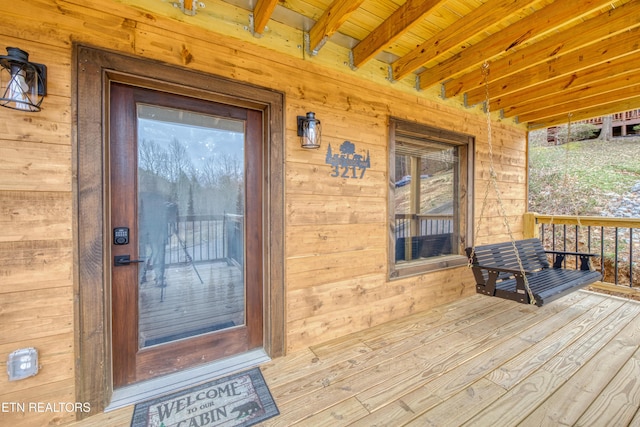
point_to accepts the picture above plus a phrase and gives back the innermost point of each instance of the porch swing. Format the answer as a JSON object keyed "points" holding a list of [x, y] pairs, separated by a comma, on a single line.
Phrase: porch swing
{"points": [[519, 269]]}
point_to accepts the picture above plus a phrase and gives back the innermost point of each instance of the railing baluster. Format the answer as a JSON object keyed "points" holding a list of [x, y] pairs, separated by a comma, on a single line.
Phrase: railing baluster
{"points": [[631, 257], [576, 257], [602, 251], [564, 244], [615, 269]]}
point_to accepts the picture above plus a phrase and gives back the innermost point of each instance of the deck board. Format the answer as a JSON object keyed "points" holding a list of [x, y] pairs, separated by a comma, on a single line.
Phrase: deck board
{"points": [[478, 361]]}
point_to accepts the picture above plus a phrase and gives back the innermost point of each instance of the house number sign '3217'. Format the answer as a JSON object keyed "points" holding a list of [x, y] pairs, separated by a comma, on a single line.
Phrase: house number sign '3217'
{"points": [[346, 163]]}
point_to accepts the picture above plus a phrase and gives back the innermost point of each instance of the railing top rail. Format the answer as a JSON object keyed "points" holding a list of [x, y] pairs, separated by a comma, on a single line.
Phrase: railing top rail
{"points": [[593, 221]]}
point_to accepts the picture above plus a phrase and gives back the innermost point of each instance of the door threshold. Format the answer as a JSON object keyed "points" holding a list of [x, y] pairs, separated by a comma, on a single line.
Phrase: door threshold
{"points": [[145, 390]]}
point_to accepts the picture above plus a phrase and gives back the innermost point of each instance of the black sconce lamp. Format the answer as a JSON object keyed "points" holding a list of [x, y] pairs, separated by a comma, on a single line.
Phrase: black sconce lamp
{"points": [[309, 131], [23, 84]]}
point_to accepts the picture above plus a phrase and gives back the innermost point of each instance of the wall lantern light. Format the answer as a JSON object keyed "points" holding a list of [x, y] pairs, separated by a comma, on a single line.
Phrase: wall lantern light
{"points": [[309, 131], [23, 84]]}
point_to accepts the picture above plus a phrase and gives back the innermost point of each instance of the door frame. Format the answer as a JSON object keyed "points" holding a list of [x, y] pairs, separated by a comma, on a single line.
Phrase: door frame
{"points": [[94, 71]]}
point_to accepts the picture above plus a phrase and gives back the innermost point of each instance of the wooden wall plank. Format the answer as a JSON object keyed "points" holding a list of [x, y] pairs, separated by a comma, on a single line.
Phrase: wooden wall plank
{"points": [[312, 239], [34, 216], [35, 264], [309, 209], [35, 314], [62, 23], [29, 166], [323, 299], [52, 125], [303, 272]]}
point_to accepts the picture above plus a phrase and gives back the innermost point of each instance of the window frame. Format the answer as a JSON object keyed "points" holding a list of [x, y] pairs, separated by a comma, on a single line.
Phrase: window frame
{"points": [[465, 179]]}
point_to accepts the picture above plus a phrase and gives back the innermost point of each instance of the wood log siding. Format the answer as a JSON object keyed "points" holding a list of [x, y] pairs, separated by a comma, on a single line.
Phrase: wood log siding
{"points": [[335, 282]]}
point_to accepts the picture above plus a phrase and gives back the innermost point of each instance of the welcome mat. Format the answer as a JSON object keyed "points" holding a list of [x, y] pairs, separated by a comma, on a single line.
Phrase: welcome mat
{"points": [[240, 399]]}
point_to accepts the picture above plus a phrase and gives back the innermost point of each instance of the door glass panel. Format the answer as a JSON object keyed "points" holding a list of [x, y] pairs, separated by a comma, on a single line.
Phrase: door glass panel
{"points": [[190, 224]]}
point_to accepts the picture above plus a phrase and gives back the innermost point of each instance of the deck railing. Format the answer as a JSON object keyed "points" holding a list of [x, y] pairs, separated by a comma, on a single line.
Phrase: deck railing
{"points": [[615, 241]]}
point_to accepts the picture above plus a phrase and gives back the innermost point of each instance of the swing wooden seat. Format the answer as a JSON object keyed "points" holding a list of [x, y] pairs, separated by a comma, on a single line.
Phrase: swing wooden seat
{"points": [[498, 273]]}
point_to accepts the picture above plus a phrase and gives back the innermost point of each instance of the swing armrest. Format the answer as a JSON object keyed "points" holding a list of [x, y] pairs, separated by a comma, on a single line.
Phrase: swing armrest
{"points": [[500, 269], [585, 263]]}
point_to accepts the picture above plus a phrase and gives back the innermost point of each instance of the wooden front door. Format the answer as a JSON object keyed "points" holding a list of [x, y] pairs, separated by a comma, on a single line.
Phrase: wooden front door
{"points": [[186, 206]]}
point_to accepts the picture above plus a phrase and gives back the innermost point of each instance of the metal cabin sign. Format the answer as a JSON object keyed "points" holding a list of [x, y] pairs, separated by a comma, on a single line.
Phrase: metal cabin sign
{"points": [[346, 163]]}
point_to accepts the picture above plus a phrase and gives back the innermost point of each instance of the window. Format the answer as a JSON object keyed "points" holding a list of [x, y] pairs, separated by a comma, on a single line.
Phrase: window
{"points": [[431, 172]]}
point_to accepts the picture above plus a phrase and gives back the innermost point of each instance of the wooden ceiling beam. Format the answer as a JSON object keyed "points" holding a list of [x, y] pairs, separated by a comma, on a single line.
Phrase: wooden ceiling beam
{"points": [[603, 88], [262, 13], [530, 27], [451, 37], [588, 100], [529, 97], [588, 113], [580, 59], [583, 36], [332, 18], [401, 21]]}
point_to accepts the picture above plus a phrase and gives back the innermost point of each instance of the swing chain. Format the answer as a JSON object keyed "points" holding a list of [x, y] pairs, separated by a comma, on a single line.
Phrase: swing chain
{"points": [[493, 182]]}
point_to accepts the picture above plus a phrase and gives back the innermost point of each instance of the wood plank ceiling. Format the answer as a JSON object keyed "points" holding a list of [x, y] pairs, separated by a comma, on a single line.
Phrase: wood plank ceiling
{"points": [[548, 60]]}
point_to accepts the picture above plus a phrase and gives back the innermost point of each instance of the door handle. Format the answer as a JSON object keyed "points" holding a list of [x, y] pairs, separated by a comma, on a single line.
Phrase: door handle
{"points": [[120, 260]]}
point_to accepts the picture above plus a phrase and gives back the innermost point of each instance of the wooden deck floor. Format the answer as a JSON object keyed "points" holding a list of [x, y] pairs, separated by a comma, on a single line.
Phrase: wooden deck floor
{"points": [[480, 361]]}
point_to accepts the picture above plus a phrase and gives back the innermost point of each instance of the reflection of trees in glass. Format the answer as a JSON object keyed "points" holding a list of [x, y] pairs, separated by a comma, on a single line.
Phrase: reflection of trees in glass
{"points": [[214, 188], [151, 157], [178, 161], [221, 169]]}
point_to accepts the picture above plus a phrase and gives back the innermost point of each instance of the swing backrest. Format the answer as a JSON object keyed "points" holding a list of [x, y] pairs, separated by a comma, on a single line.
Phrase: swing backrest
{"points": [[502, 255]]}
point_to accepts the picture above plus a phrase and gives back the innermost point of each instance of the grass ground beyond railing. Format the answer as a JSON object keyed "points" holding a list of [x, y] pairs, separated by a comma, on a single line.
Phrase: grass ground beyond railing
{"points": [[615, 241], [582, 177]]}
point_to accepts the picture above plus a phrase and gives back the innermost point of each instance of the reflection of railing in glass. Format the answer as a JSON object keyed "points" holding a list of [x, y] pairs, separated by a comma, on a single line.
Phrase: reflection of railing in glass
{"points": [[204, 238], [431, 236], [234, 238]]}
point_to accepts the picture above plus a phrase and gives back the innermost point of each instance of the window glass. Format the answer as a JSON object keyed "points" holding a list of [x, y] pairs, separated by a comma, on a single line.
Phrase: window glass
{"points": [[429, 214]]}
